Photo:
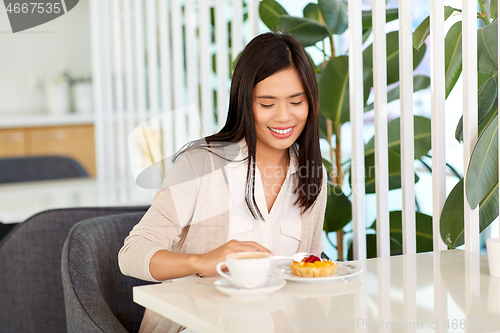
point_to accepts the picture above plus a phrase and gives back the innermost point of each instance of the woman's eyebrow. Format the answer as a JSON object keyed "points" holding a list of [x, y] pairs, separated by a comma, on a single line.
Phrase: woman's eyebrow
{"points": [[273, 97]]}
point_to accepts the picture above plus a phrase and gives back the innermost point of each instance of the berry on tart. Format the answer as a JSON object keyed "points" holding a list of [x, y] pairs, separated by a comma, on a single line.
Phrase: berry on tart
{"points": [[313, 266]]}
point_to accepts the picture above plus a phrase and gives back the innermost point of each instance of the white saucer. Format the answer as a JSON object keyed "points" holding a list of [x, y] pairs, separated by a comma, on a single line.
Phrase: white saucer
{"points": [[227, 287], [344, 270]]}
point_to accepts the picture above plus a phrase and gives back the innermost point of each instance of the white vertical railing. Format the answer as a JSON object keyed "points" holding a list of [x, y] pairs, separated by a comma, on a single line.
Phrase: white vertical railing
{"points": [[253, 17], [406, 125], [129, 78], [192, 71], [108, 113], [166, 75], [356, 116], [438, 120], [118, 84], [151, 57], [207, 102], [236, 29], [469, 56], [381, 145], [98, 87], [179, 73], [221, 58]]}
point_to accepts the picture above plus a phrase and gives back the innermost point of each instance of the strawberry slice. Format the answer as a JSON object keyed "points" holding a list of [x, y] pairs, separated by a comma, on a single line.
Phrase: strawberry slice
{"points": [[312, 259]]}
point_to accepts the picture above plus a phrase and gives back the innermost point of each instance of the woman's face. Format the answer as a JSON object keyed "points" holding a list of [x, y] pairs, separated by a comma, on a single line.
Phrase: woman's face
{"points": [[280, 109]]}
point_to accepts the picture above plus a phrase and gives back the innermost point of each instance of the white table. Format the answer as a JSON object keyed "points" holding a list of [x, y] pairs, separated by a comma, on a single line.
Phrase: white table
{"points": [[18, 201], [449, 291]]}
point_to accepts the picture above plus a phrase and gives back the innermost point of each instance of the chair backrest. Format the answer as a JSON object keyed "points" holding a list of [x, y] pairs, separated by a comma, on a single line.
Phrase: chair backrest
{"points": [[31, 291], [23, 169], [97, 295]]}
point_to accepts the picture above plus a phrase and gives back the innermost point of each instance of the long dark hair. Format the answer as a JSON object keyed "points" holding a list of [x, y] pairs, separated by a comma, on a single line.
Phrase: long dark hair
{"points": [[265, 55]]}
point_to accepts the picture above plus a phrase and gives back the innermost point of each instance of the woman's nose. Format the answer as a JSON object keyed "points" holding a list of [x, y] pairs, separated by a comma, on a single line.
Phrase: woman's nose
{"points": [[283, 113]]}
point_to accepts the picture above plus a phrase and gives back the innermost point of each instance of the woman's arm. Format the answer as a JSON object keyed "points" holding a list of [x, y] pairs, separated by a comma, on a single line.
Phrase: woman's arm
{"points": [[166, 265]]}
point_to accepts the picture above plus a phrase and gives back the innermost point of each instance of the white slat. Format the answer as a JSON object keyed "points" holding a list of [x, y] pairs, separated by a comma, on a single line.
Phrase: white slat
{"points": [[253, 17], [381, 145], [118, 62], [438, 120], [236, 29], [108, 87], [356, 116], [407, 148], [179, 74], [140, 60], [192, 72], [166, 75], [153, 80], [207, 102], [222, 64], [97, 83], [469, 56], [129, 74]]}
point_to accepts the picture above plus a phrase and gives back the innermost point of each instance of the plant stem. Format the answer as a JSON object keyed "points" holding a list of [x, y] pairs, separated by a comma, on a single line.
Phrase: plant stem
{"points": [[483, 15]]}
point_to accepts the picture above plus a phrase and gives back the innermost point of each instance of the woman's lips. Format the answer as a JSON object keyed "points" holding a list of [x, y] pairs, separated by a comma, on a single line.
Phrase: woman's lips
{"points": [[281, 132]]}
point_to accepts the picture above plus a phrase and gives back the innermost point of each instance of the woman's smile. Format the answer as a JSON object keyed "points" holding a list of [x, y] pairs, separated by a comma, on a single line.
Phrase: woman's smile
{"points": [[282, 132]]}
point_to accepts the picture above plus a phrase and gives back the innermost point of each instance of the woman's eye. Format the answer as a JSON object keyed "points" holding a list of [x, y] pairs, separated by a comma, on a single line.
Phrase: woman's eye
{"points": [[267, 105], [297, 103]]}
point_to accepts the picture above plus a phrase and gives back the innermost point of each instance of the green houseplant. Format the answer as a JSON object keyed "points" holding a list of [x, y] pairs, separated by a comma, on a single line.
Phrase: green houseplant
{"points": [[481, 180], [321, 22]]}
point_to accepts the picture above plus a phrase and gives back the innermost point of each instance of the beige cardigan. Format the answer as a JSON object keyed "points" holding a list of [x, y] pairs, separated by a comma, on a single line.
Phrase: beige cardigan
{"points": [[195, 195]]}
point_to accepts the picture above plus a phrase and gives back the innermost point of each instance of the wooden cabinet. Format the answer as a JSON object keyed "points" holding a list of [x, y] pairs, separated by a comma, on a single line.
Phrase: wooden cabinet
{"points": [[12, 142], [75, 141]]}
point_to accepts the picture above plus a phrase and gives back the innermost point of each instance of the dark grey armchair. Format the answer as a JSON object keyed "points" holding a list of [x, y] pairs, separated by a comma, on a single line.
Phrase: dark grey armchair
{"points": [[32, 168], [97, 295], [31, 291]]}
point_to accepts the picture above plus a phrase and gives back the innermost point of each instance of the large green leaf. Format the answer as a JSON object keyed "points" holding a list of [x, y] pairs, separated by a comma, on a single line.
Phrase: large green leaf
{"points": [[334, 90], [482, 173], [392, 51], [366, 17], [307, 31], [423, 226], [453, 56], [422, 137], [493, 8], [423, 30], [335, 15], [486, 98], [338, 209], [270, 12], [452, 216], [420, 82], [487, 48], [311, 11], [394, 172]]}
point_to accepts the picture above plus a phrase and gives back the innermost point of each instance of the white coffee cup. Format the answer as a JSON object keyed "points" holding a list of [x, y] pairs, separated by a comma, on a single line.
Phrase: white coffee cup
{"points": [[248, 269], [493, 248]]}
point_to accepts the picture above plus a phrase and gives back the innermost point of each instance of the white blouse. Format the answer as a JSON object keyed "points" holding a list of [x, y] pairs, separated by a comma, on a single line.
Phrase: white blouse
{"points": [[281, 229]]}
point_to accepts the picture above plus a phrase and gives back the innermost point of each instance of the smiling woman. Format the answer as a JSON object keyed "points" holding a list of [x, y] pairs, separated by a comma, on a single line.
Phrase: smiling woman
{"points": [[257, 185]]}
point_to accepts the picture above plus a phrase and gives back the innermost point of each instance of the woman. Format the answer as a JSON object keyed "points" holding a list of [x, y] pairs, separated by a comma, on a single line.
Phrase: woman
{"points": [[257, 185]]}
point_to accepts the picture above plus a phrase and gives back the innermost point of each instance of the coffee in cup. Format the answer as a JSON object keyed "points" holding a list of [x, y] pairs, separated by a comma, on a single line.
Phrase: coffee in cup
{"points": [[248, 269]]}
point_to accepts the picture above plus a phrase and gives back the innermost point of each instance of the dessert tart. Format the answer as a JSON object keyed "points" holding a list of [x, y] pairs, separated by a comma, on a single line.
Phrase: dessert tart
{"points": [[313, 266]]}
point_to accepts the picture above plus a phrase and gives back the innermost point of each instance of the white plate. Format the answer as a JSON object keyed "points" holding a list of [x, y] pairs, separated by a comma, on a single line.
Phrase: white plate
{"points": [[344, 270], [273, 284]]}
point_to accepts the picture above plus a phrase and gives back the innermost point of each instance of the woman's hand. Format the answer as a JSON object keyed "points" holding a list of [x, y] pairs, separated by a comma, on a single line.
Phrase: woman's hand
{"points": [[206, 262]]}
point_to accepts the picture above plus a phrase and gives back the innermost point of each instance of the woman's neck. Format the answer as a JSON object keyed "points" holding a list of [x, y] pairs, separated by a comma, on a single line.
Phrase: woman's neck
{"points": [[266, 156]]}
